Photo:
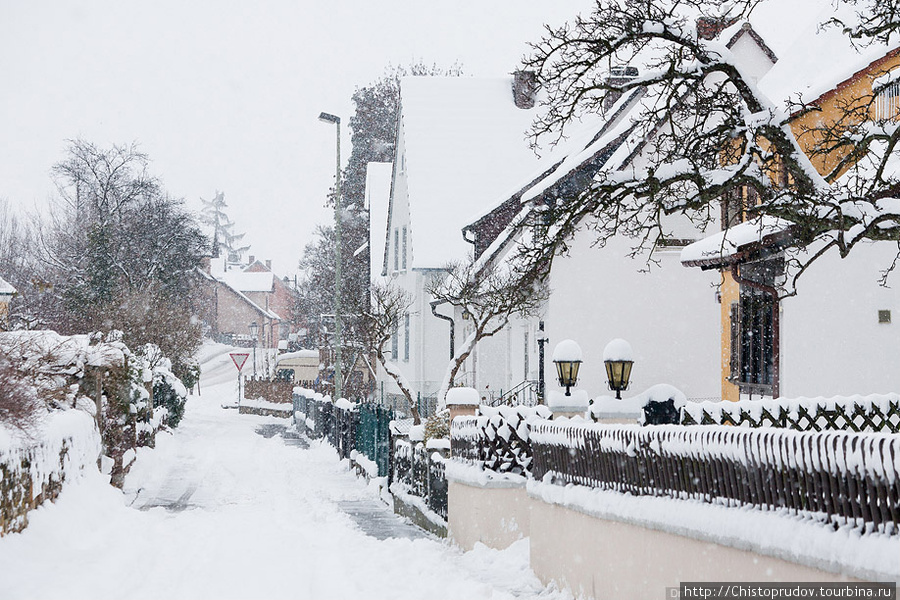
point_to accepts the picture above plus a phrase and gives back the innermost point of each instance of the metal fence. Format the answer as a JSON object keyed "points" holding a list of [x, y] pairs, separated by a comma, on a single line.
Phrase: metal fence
{"points": [[421, 473], [366, 428], [843, 478], [871, 413]]}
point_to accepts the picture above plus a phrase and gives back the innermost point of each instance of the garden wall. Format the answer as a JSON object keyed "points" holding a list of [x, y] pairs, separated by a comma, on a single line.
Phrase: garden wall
{"points": [[602, 557], [32, 473]]}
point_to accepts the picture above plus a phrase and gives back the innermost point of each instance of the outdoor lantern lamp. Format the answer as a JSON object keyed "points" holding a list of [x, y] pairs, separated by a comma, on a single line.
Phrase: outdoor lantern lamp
{"points": [[618, 358], [567, 357], [338, 376]]}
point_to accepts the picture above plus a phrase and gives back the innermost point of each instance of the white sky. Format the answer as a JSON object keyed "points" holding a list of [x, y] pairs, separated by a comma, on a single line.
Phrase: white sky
{"points": [[225, 94]]}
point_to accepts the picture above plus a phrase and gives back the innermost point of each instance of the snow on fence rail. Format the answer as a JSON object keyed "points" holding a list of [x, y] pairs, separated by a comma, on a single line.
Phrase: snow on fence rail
{"points": [[854, 413], [840, 478]]}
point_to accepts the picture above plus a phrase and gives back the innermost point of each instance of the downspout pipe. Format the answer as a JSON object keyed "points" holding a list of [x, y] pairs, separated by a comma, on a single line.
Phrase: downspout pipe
{"points": [[776, 325], [434, 305]]}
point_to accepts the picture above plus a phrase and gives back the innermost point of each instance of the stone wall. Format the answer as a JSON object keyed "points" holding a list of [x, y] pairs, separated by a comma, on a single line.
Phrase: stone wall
{"points": [[31, 474]]}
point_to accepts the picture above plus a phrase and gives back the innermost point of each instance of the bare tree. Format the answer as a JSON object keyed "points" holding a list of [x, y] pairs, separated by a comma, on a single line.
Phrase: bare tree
{"points": [[490, 294], [388, 305], [707, 132]]}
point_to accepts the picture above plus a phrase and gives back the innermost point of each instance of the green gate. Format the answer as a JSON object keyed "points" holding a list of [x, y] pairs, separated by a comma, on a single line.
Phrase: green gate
{"points": [[373, 436]]}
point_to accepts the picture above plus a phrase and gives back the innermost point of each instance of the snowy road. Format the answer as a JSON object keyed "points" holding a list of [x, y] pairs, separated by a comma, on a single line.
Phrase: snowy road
{"points": [[219, 510]]}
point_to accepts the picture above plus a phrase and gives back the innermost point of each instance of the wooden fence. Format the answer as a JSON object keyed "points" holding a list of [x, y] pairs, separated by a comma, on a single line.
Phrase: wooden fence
{"points": [[842, 478]]}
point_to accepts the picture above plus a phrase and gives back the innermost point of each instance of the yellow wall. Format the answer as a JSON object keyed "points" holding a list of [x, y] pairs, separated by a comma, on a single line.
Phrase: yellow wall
{"points": [[729, 293], [850, 96]]}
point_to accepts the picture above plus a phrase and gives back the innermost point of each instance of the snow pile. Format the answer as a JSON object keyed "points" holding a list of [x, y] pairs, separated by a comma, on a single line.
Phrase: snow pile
{"points": [[618, 349], [576, 401], [567, 351], [606, 407], [463, 396]]}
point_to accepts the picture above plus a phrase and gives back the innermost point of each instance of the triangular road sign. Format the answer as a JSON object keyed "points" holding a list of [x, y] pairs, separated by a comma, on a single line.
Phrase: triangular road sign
{"points": [[239, 358]]}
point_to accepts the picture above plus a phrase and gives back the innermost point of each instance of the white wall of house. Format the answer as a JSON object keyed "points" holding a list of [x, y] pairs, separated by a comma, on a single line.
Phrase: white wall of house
{"points": [[831, 340], [670, 317]]}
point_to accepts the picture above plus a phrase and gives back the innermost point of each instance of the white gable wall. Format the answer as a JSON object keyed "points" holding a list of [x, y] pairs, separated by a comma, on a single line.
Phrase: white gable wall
{"points": [[670, 317], [831, 340]]}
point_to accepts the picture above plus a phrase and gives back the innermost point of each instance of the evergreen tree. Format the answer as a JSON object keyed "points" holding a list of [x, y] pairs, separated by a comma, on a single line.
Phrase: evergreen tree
{"points": [[224, 239]]}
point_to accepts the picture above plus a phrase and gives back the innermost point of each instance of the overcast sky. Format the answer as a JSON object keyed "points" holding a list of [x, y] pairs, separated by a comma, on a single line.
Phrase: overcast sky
{"points": [[225, 94]]}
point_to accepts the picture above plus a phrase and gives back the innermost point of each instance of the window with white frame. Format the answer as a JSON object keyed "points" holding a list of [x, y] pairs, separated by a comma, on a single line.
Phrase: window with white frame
{"points": [[404, 248], [406, 337], [396, 249]]}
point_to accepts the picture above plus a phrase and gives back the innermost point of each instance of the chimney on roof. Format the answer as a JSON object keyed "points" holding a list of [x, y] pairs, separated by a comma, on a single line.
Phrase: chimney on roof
{"points": [[709, 28], [252, 260], [269, 264], [524, 88], [618, 76]]}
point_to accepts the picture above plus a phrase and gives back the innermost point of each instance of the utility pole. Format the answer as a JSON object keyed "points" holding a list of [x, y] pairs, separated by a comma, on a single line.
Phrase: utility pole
{"points": [[338, 376]]}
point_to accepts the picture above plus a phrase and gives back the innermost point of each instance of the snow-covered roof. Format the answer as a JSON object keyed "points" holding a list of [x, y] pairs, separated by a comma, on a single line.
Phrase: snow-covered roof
{"points": [[817, 59], [733, 245], [599, 142], [464, 141], [6, 289], [378, 195], [249, 282]]}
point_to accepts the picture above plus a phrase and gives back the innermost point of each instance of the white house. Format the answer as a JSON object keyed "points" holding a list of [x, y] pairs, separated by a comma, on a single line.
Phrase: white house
{"points": [[669, 315], [460, 141]]}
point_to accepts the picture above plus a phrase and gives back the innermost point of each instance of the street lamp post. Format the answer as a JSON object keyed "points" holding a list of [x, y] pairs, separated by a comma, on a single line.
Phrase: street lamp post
{"points": [[338, 377], [254, 330]]}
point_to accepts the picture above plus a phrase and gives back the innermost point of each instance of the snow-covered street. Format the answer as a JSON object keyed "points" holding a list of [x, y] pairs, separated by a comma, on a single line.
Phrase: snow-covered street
{"points": [[225, 508]]}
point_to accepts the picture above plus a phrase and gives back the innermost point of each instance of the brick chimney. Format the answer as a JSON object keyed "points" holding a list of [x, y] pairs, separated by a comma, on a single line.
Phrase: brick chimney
{"points": [[252, 260], [269, 264], [524, 88], [709, 28], [618, 76]]}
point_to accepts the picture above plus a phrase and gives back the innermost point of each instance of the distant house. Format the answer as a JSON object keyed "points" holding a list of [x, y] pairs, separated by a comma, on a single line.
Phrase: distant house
{"points": [[236, 298], [459, 142], [838, 335], [7, 291]]}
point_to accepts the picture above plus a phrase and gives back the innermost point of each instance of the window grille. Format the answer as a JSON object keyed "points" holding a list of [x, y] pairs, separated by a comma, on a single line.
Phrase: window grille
{"points": [[887, 101]]}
